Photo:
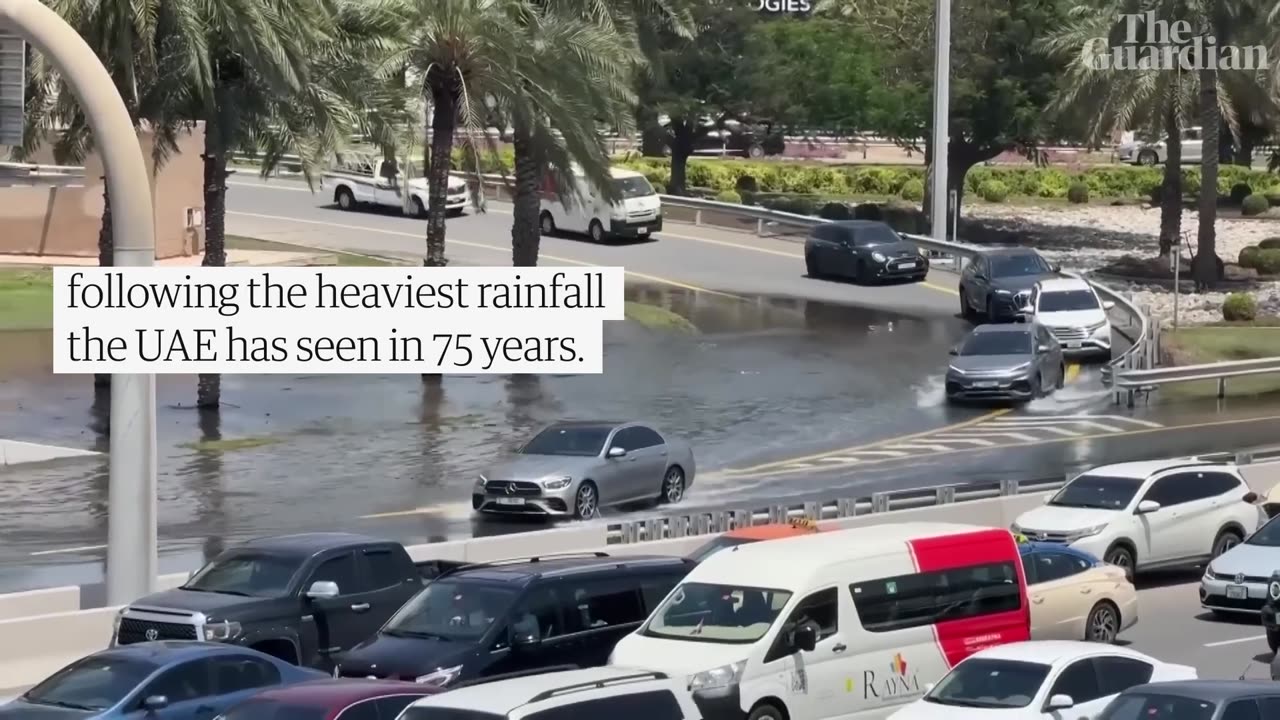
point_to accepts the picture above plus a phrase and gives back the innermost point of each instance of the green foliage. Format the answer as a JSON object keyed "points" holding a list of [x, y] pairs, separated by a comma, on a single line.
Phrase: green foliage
{"points": [[835, 211], [912, 190], [1271, 243], [1239, 307], [659, 188], [1254, 205], [729, 196], [1265, 261], [993, 191], [491, 162], [794, 205], [1078, 193]]}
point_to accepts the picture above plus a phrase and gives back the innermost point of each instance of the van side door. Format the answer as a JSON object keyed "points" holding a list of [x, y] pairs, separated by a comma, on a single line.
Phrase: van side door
{"points": [[599, 611], [815, 679]]}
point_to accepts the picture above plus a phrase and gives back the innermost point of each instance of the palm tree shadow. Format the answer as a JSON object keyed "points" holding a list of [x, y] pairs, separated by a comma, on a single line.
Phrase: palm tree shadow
{"points": [[206, 482], [432, 473]]}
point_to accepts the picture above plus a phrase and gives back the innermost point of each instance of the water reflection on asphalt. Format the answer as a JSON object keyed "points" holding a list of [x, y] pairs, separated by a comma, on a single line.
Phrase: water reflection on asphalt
{"points": [[763, 378]]}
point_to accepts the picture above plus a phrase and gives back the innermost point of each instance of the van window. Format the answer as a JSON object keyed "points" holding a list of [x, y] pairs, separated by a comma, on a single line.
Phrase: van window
{"points": [[704, 612], [602, 603], [907, 601], [632, 187]]}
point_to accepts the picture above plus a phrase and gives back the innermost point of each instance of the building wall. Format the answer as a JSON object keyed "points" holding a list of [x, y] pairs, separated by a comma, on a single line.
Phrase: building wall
{"points": [[64, 221]]}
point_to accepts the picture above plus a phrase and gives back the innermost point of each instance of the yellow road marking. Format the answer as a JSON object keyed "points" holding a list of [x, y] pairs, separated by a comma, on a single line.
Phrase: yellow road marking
{"points": [[878, 443], [1072, 371]]}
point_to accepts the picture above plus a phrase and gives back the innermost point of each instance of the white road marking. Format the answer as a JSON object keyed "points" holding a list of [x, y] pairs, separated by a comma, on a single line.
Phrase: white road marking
{"points": [[70, 550], [839, 459], [1237, 641], [985, 434], [884, 453], [955, 438], [1118, 418], [920, 446], [1037, 427], [1047, 423]]}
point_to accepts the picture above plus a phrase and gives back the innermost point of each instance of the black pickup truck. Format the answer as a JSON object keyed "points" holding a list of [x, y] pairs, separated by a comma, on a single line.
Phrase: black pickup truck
{"points": [[301, 598]]}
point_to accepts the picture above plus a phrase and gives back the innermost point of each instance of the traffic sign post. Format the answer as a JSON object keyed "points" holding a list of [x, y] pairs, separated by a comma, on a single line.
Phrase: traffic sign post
{"points": [[13, 83]]}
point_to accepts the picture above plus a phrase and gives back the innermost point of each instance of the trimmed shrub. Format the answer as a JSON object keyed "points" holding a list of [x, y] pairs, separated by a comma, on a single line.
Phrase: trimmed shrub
{"points": [[746, 183], [1271, 243], [1254, 205], [868, 211], [793, 205], [1248, 257], [729, 196], [1078, 193], [1239, 192], [912, 190], [1239, 307], [835, 211], [748, 197], [1266, 262], [993, 191]]}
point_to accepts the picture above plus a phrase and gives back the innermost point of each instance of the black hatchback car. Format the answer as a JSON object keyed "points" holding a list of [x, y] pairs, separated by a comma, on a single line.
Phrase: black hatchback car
{"points": [[1197, 700], [864, 250], [515, 616]]}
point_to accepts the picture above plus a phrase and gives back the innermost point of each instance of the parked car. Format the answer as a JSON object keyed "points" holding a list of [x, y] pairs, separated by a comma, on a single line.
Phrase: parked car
{"points": [[754, 533], [864, 250], [1074, 596], [1005, 362], [1137, 152], [573, 469], [1197, 700], [1151, 515], [1071, 309], [1040, 681], [332, 700], [996, 285], [166, 680], [617, 693], [299, 598], [517, 615]]}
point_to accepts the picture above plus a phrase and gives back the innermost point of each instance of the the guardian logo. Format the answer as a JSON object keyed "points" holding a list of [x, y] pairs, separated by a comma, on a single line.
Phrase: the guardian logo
{"points": [[783, 6]]}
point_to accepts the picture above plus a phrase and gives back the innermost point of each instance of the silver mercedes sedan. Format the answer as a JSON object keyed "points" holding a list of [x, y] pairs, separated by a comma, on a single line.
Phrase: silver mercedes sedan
{"points": [[572, 469]]}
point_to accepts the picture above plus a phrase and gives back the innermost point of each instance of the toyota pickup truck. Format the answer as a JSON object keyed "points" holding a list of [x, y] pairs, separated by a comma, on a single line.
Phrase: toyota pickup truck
{"points": [[301, 598], [362, 180]]}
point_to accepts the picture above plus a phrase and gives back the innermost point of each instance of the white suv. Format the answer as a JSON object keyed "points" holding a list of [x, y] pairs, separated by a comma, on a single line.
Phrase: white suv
{"points": [[1149, 515], [1074, 313]]}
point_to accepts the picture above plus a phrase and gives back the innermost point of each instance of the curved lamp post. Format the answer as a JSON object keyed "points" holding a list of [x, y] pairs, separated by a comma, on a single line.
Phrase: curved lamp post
{"points": [[131, 550], [939, 194]]}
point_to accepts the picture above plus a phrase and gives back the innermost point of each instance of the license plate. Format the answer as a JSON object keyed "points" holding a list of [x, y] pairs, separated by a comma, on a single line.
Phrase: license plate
{"points": [[1237, 592], [986, 384], [509, 501], [644, 231], [1073, 344], [905, 265]]}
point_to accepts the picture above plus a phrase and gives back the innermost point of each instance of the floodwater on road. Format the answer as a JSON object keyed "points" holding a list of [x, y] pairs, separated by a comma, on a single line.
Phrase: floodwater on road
{"points": [[762, 378]]}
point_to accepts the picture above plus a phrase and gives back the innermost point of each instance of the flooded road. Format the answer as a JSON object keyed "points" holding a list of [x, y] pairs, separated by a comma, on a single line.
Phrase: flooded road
{"points": [[759, 378]]}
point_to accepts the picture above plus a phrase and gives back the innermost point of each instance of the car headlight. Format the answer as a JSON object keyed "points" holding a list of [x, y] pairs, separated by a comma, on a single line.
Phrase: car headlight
{"points": [[1003, 292], [1015, 528], [1208, 573], [115, 625], [924, 252], [1102, 328], [1273, 590], [722, 676], [1086, 532], [481, 481], [1020, 368], [878, 256], [556, 483], [440, 677], [954, 369], [221, 631]]}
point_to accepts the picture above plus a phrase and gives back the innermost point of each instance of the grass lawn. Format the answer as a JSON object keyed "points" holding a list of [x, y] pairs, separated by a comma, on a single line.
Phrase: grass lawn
{"points": [[26, 293], [1219, 343]]}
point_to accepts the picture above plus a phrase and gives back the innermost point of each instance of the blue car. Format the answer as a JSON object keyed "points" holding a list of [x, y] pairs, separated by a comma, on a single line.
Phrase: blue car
{"points": [[168, 680]]}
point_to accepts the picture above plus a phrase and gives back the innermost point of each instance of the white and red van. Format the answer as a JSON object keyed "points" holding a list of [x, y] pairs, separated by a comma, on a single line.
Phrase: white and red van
{"points": [[845, 624]]}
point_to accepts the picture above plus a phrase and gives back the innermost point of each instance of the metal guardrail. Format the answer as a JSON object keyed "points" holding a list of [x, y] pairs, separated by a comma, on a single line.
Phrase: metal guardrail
{"points": [[1146, 380]]}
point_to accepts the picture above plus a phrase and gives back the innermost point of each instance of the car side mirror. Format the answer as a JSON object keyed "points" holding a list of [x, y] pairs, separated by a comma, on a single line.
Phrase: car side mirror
{"points": [[616, 452], [1041, 349], [1108, 305], [1147, 506], [524, 641], [322, 590], [155, 702], [953, 351], [804, 638], [1250, 497], [1059, 702], [1056, 267]]}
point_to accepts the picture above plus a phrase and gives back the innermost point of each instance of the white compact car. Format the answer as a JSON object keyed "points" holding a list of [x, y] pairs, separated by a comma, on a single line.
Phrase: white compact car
{"points": [[1051, 680], [1149, 515], [1074, 313]]}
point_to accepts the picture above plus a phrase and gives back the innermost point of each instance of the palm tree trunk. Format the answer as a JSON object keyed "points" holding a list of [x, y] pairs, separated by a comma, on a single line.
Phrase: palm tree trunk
{"points": [[1171, 189], [1206, 265], [106, 258], [444, 112], [526, 230], [209, 386], [681, 149]]}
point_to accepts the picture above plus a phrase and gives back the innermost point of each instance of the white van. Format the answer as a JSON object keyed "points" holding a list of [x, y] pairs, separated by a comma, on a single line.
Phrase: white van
{"points": [[845, 624], [637, 214]]}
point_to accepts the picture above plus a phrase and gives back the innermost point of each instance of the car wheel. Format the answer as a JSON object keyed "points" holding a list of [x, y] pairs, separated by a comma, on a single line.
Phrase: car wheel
{"points": [[547, 223], [345, 199], [1148, 158], [596, 230], [1226, 540], [586, 502], [672, 486], [755, 152], [1062, 377], [454, 212], [991, 310], [966, 310], [811, 266], [1103, 624], [1121, 557], [860, 274], [1037, 387], [418, 209], [766, 711], [1273, 640]]}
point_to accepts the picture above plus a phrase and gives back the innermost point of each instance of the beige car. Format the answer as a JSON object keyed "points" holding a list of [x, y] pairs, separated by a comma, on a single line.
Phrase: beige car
{"points": [[1074, 596]]}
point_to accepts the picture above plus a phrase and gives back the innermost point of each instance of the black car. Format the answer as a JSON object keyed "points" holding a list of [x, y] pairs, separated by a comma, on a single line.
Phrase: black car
{"points": [[864, 250], [996, 284], [516, 615], [1197, 700]]}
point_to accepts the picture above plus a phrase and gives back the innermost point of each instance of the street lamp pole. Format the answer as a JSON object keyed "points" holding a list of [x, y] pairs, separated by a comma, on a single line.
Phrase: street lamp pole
{"points": [[131, 527], [941, 117]]}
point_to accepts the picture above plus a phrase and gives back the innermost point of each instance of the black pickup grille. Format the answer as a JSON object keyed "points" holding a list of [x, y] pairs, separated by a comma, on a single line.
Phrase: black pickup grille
{"points": [[512, 487], [135, 631]]}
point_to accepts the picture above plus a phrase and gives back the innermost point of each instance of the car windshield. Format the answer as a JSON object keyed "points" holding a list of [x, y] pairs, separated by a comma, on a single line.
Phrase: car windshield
{"points": [[1157, 706], [1018, 265], [997, 343], [871, 235], [451, 610], [94, 683], [248, 574], [273, 709], [577, 441], [704, 612], [1097, 491], [1268, 535], [1068, 301], [716, 545], [990, 683], [632, 187]]}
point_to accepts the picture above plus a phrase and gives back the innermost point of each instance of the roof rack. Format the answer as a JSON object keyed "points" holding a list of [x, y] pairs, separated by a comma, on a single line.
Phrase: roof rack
{"points": [[598, 684], [513, 675], [518, 560]]}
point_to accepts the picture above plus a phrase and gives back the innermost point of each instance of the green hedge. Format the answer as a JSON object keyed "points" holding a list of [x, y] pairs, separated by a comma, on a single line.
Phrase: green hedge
{"points": [[1239, 307]]}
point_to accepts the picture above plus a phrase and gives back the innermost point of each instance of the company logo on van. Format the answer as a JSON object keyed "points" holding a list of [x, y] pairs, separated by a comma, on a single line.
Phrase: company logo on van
{"points": [[900, 681], [899, 665]]}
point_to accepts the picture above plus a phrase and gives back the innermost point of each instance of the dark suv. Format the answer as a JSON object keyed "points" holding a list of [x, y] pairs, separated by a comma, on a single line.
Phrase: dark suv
{"points": [[996, 284], [512, 616]]}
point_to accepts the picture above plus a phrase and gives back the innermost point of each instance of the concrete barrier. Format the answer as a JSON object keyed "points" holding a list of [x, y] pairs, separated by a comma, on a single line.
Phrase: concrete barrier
{"points": [[39, 646], [39, 602]]}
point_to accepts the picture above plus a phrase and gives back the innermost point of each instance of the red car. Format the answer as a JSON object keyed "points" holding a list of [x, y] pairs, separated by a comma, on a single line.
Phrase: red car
{"points": [[332, 700]]}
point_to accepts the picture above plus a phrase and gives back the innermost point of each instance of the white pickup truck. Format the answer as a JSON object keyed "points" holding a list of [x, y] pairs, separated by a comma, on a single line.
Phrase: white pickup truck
{"points": [[374, 181]]}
